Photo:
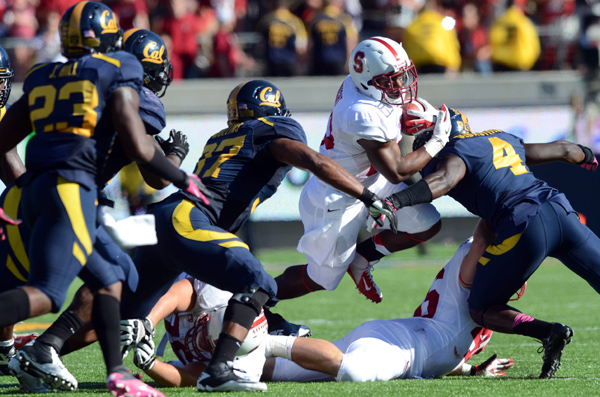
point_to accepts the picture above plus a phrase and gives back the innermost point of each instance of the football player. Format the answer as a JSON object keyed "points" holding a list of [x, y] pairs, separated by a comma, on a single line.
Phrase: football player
{"points": [[438, 340], [157, 72], [242, 165], [488, 172], [192, 312], [362, 135], [64, 103]]}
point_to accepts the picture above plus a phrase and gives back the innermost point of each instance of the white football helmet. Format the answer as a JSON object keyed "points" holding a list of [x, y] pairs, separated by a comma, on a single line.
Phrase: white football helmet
{"points": [[204, 335], [379, 57]]}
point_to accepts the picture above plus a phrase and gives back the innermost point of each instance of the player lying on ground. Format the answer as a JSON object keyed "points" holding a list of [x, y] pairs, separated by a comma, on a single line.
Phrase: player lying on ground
{"points": [[193, 316], [488, 172], [438, 340]]}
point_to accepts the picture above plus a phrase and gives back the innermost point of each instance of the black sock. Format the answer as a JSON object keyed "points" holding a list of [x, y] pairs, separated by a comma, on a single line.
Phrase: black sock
{"points": [[106, 319], [538, 329], [14, 307], [226, 348], [66, 325], [368, 250]]}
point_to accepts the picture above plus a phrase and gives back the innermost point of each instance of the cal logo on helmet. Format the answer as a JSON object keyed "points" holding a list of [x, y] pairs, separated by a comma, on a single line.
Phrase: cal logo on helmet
{"points": [[459, 122], [153, 52], [108, 22], [269, 98]]}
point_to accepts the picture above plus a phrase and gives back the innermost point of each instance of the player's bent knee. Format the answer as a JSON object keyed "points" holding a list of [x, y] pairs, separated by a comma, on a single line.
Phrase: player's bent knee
{"points": [[245, 305]]}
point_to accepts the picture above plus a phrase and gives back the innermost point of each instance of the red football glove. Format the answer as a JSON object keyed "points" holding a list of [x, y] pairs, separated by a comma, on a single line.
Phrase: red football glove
{"points": [[589, 162]]}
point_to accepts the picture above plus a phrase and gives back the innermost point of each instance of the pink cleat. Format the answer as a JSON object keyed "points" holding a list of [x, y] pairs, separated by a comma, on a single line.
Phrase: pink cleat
{"points": [[127, 385]]}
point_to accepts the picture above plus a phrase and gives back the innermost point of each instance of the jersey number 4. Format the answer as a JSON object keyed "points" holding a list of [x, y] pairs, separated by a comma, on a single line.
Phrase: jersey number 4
{"points": [[505, 156]]}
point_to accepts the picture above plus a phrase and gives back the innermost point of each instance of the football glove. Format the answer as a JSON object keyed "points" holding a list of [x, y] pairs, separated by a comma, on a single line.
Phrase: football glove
{"points": [[6, 220], [493, 366], [197, 189], [177, 144], [143, 354], [379, 210], [441, 132], [589, 162], [133, 332], [425, 121]]}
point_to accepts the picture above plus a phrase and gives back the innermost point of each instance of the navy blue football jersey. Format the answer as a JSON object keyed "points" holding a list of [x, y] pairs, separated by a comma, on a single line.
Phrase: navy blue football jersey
{"points": [[238, 168], [66, 103], [111, 156], [498, 186]]}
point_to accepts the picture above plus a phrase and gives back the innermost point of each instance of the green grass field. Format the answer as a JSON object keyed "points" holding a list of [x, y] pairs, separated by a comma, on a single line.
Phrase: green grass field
{"points": [[553, 294]]}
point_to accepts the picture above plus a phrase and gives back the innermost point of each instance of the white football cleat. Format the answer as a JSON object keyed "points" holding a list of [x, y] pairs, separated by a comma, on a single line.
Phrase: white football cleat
{"points": [[360, 271], [27, 383], [42, 361]]}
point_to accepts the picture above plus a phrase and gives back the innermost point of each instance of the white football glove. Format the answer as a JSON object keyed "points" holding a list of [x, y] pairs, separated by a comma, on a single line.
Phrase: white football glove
{"points": [[143, 354], [493, 366], [133, 332], [441, 132]]}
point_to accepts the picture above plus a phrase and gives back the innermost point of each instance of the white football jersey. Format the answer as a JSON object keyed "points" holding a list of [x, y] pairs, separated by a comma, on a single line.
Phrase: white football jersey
{"points": [[178, 325], [357, 116], [445, 332]]}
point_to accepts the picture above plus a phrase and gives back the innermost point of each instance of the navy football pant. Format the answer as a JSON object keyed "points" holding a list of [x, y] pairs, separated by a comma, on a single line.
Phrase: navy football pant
{"points": [[188, 242], [504, 268]]}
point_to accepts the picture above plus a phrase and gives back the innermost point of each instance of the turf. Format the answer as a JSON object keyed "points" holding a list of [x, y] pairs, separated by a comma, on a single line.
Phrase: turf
{"points": [[553, 293]]}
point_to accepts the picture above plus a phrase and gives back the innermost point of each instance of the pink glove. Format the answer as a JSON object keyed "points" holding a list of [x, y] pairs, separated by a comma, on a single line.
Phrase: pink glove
{"points": [[592, 166], [6, 220], [197, 188]]}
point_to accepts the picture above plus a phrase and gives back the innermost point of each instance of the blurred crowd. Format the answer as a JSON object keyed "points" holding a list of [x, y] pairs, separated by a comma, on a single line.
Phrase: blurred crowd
{"points": [[227, 38]]}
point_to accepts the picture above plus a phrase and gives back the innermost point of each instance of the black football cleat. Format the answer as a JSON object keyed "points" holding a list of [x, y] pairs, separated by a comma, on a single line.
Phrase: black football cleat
{"points": [[219, 377], [553, 344]]}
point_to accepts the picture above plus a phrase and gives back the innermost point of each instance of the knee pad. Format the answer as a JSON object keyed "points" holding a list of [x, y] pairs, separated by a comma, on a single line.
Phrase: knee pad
{"points": [[244, 306]]}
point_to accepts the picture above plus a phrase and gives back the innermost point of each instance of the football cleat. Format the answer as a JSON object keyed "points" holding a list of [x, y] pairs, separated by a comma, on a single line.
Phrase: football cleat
{"points": [[280, 326], [27, 383], [121, 384], [553, 345], [6, 354], [23, 339], [42, 361], [363, 279], [220, 377]]}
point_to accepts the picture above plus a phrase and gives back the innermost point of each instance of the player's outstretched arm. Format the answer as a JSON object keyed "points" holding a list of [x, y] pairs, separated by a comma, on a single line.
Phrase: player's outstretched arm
{"points": [[15, 125], [493, 366], [175, 151], [297, 154], [450, 171], [564, 151]]}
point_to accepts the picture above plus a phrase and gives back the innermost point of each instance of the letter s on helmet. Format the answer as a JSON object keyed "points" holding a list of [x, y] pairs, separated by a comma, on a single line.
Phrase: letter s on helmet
{"points": [[254, 99], [151, 50], [89, 27], [380, 57]]}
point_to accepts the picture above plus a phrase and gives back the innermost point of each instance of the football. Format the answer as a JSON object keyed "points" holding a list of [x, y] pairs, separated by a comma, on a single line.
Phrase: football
{"points": [[405, 116]]}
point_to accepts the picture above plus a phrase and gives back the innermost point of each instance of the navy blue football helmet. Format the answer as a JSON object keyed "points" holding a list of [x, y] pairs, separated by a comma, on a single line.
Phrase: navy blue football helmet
{"points": [[6, 75], [151, 50], [460, 125], [89, 27], [254, 99]]}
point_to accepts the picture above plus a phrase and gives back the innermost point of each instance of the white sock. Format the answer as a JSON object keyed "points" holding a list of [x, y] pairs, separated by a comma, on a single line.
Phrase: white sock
{"points": [[280, 346], [6, 343]]}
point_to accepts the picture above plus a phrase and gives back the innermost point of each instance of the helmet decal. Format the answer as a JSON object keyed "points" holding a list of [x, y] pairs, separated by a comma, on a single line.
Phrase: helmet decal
{"points": [[108, 22], [152, 54], [268, 98]]}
